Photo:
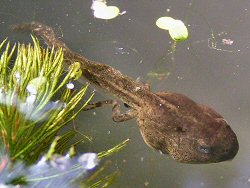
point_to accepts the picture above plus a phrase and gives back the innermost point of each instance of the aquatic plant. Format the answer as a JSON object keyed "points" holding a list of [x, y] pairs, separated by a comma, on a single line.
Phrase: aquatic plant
{"points": [[30, 117], [178, 32], [37, 98]]}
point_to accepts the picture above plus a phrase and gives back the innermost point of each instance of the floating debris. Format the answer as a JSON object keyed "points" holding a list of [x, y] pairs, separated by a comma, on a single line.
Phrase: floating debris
{"points": [[227, 42], [18, 77], [177, 29], [70, 85]]}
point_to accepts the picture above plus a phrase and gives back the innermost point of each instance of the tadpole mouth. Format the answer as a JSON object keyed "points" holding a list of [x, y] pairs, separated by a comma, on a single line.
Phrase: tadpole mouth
{"points": [[229, 144], [222, 146], [232, 151]]}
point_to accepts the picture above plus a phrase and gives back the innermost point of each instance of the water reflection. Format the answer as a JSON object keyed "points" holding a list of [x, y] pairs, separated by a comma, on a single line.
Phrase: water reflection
{"points": [[58, 171]]}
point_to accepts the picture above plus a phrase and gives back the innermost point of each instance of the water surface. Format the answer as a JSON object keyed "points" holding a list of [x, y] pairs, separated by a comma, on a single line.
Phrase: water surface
{"points": [[202, 68]]}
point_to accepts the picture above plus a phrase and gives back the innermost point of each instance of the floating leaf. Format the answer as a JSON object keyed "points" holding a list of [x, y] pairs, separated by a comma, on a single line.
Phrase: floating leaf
{"points": [[165, 23], [102, 11], [98, 5], [177, 29]]}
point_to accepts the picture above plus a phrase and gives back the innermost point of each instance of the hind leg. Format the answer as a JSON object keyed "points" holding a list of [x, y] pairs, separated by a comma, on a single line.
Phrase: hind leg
{"points": [[118, 116]]}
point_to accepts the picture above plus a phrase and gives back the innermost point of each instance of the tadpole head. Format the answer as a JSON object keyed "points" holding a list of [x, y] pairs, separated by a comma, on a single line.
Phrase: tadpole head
{"points": [[187, 131], [223, 144], [211, 146]]}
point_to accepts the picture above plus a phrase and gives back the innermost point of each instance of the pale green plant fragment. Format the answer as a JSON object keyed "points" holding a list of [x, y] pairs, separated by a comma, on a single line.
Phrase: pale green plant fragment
{"points": [[177, 29]]}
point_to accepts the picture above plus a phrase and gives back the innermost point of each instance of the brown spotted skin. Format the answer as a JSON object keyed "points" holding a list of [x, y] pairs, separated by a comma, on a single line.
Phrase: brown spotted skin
{"points": [[169, 122]]}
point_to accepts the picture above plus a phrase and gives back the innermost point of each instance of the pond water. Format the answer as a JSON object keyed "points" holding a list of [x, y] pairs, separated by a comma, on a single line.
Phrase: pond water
{"points": [[211, 67]]}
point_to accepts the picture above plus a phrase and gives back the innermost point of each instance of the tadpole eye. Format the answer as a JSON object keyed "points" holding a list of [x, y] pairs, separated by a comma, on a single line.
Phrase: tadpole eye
{"points": [[126, 105], [204, 149]]}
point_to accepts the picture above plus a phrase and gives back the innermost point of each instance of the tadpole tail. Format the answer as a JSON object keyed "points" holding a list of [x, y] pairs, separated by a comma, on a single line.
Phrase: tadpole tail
{"points": [[104, 76], [43, 31]]}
